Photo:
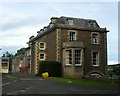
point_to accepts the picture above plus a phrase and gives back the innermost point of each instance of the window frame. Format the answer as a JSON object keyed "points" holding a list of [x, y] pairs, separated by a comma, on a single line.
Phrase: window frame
{"points": [[43, 56], [81, 52], [70, 22], [73, 37], [67, 58], [97, 59], [92, 24], [44, 46], [73, 57], [95, 39]]}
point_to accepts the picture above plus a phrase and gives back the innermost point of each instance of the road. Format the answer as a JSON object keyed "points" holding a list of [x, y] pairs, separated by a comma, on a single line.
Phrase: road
{"points": [[28, 84]]}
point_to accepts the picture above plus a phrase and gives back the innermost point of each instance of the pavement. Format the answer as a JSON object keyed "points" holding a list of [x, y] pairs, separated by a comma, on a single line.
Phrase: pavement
{"points": [[30, 84]]}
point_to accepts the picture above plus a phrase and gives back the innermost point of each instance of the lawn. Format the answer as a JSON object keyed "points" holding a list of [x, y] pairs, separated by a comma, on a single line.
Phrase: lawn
{"points": [[83, 82]]}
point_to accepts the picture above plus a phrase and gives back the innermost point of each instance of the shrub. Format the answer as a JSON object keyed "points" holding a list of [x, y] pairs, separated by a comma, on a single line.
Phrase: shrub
{"points": [[52, 67]]}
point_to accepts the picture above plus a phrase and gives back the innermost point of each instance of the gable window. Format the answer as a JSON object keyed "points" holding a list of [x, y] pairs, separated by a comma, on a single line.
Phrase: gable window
{"points": [[68, 56], [95, 58], [95, 38], [78, 57], [42, 56], [42, 46], [72, 36]]}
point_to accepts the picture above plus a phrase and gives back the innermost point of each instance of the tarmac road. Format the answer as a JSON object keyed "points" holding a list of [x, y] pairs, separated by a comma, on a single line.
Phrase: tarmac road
{"points": [[28, 84]]}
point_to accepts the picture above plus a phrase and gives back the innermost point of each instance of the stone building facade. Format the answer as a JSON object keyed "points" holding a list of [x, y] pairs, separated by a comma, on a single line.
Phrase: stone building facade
{"points": [[79, 44], [21, 62]]}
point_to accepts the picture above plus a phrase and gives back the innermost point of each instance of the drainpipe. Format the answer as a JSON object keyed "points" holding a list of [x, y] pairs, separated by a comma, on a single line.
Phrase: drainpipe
{"points": [[106, 59]]}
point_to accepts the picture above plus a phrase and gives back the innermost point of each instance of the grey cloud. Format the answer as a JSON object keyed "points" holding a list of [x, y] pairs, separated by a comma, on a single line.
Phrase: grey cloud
{"points": [[31, 21]]}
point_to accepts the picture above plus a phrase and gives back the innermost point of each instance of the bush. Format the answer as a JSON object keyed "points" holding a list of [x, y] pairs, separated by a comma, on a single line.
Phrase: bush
{"points": [[52, 67]]}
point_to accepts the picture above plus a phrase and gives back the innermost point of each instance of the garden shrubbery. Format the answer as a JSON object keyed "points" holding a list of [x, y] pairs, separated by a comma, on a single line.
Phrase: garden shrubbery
{"points": [[52, 67]]}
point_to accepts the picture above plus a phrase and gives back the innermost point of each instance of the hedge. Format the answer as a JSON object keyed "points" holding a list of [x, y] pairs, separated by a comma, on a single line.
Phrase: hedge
{"points": [[52, 67]]}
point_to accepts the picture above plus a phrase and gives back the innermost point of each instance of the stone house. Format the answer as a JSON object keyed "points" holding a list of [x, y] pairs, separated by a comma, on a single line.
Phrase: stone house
{"points": [[21, 63], [79, 44]]}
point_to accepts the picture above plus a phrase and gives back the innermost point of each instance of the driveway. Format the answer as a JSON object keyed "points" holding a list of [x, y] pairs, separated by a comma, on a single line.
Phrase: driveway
{"points": [[29, 84]]}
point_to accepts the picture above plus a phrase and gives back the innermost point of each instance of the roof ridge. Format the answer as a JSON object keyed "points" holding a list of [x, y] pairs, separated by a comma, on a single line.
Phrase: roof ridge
{"points": [[77, 18]]}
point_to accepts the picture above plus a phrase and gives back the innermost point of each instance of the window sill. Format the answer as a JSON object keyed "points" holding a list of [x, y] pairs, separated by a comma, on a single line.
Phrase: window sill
{"points": [[42, 48], [78, 65], [42, 59], [72, 40], [95, 65], [95, 43], [67, 64]]}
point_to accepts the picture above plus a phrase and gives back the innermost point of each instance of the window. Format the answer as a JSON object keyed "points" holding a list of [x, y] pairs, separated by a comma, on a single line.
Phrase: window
{"points": [[95, 58], [73, 56], [68, 57], [42, 56], [70, 22], [51, 25], [72, 36], [45, 29], [42, 46], [95, 38], [77, 57], [92, 24], [5, 65]]}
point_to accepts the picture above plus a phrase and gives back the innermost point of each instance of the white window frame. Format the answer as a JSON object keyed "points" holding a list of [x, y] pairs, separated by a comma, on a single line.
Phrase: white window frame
{"points": [[73, 57], [43, 56], [97, 58], [95, 40], [44, 46], [72, 37], [81, 52], [67, 57], [70, 22]]}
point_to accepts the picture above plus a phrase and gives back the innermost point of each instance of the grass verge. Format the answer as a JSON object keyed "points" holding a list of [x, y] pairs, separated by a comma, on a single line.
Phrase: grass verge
{"points": [[83, 82], [9, 76]]}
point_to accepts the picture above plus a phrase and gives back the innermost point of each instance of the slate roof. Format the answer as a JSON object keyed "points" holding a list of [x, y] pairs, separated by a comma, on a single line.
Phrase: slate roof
{"points": [[78, 21], [63, 22]]}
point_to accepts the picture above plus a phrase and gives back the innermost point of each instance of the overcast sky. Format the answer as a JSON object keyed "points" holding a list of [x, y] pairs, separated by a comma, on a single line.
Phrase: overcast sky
{"points": [[20, 20]]}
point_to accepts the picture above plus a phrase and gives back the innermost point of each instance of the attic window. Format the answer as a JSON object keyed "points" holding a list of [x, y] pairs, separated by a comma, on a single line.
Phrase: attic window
{"points": [[70, 22], [51, 25], [41, 31], [45, 28], [92, 24]]}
